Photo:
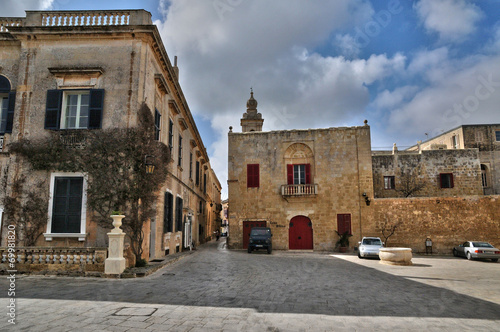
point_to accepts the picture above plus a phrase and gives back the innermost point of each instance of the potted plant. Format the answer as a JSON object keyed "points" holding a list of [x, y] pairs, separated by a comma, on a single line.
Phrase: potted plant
{"points": [[343, 241]]}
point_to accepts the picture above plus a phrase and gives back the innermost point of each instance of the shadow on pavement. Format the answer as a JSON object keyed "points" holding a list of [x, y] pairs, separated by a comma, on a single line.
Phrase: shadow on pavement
{"points": [[277, 283]]}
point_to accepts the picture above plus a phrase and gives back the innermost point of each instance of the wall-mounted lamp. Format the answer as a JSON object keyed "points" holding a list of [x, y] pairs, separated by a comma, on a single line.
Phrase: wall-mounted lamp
{"points": [[367, 200], [150, 167]]}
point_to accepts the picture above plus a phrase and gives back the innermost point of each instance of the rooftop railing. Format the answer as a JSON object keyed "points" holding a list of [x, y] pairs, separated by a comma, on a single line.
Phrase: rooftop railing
{"points": [[78, 18]]}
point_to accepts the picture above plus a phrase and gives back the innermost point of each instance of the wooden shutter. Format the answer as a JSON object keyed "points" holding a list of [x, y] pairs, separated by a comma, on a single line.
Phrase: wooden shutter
{"points": [[178, 214], [67, 206], [168, 213], [308, 173], [10, 112], [53, 109], [344, 223], [96, 108], [289, 174], [253, 175], [157, 124]]}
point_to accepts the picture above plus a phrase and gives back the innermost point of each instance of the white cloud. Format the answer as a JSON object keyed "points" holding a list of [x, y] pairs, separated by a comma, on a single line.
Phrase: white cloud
{"points": [[16, 8], [470, 95], [453, 20]]}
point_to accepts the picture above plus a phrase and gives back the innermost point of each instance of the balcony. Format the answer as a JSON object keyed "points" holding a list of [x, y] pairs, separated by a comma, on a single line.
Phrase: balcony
{"points": [[299, 190]]}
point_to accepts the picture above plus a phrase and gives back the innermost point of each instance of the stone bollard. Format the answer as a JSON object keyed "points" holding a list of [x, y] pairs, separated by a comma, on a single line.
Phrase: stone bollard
{"points": [[115, 263]]}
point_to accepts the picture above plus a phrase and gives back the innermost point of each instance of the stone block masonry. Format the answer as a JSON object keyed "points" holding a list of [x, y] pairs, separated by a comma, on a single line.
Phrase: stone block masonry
{"points": [[448, 221]]}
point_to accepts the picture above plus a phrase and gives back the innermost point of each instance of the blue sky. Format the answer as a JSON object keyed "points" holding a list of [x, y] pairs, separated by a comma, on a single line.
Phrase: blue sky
{"points": [[413, 69]]}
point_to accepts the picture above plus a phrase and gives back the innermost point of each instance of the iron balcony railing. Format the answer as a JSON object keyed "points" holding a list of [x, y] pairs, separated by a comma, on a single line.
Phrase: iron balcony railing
{"points": [[299, 189]]}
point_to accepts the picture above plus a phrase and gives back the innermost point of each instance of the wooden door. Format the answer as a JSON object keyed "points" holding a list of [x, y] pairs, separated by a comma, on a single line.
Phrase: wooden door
{"points": [[247, 226], [300, 233]]}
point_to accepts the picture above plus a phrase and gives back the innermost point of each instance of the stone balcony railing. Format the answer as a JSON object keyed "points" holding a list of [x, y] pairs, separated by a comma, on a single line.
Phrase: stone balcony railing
{"points": [[31, 259], [77, 18], [299, 189]]}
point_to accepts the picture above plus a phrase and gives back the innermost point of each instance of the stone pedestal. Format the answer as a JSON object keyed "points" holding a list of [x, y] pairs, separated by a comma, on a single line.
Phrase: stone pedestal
{"points": [[395, 256], [115, 263]]}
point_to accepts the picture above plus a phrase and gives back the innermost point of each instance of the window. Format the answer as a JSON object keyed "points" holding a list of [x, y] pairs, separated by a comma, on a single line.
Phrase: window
{"points": [[446, 180], [389, 182], [478, 136], [191, 165], [7, 101], [344, 223], [454, 142], [179, 161], [168, 213], [497, 134], [205, 183], [197, 173], [298, 174], [253, 176], [484, 176], [157, 124], [67, 206], [178, 214], [171, 135], [74, 109]]}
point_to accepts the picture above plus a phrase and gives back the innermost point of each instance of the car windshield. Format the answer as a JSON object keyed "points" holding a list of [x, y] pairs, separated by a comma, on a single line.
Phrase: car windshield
{"points": [[482, 245], [259, 232], [372, 242]]}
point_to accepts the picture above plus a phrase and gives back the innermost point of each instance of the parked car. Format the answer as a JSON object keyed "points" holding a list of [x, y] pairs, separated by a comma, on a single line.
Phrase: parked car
{"points": [[477, 249], [260, 238], [369, 246]]}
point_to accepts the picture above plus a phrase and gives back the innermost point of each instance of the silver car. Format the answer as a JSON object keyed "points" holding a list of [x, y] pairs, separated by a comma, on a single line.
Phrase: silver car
{"points": [[477, 249], [369, 247]]}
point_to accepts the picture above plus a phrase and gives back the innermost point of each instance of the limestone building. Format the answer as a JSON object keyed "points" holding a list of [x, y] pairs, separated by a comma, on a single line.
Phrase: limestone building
{"points": [[304, 184], [485, 138], [61, 72]]}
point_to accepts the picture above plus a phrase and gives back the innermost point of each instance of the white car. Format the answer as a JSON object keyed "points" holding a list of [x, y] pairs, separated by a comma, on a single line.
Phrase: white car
{"points": [[477, 249], [369, 247]]}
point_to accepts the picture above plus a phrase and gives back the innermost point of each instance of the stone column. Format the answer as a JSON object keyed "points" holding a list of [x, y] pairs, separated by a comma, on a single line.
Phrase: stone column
{"points": [[115, 263]]}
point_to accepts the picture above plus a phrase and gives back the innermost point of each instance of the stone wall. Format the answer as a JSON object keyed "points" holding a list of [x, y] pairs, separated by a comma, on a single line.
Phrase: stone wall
{"points": [[448, 221], [427, 166]]}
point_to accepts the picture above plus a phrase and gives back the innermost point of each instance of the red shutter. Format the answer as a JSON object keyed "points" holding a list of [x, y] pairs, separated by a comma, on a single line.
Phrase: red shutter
{"points": [[256, 176], [344, 223], [253, 180], [289, 174], [308, 173]]}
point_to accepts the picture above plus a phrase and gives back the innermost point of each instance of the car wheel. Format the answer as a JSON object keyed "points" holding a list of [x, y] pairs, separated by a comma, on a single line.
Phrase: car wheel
{"points": [[249, 250], [469, 255], [455, 253], [359, 255], [269, 250], [494, 260]]}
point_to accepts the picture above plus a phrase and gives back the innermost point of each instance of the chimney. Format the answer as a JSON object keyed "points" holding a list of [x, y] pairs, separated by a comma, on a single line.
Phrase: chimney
{"points": [[176, 69]]}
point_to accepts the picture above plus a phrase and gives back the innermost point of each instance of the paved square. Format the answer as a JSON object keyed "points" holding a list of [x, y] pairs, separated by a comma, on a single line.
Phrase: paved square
{"points": [[221, 290]]}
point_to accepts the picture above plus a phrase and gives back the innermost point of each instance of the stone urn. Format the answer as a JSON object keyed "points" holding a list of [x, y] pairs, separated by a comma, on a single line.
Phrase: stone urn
{"points": [[395, 256], [117, 222]]}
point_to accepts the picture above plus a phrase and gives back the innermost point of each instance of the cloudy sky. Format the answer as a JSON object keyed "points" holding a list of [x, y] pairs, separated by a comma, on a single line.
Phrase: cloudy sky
{"points": [[411, 68]]}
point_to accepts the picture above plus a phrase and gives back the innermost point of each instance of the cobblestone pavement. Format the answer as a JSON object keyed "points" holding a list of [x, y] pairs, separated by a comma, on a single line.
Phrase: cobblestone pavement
{"points": [[220, 290]]}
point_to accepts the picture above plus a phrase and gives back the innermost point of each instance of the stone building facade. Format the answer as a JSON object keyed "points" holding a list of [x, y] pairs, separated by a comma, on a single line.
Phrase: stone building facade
{"points": [[428, 173], [307, 184], [303, 184], [485, 138], [118, 58]]}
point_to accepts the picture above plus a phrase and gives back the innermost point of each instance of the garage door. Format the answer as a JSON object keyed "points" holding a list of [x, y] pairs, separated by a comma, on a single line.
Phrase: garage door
{"points": [[247, 226]]}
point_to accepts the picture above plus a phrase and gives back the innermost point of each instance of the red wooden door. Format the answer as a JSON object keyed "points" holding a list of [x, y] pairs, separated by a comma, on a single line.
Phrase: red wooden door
{"points": [[247, 226], [300, 233]]}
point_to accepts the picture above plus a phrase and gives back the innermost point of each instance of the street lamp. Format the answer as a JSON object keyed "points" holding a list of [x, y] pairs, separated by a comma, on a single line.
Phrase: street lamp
{"points": [[150, 167]]}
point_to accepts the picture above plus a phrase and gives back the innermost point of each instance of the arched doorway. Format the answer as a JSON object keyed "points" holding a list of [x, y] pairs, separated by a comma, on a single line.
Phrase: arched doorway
{"points": [[300, 233]]}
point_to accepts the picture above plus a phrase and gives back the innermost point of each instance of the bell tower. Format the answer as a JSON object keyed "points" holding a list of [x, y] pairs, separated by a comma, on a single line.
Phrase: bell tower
{"points": [[251, 121]]}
